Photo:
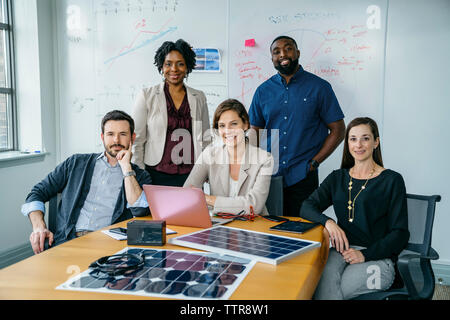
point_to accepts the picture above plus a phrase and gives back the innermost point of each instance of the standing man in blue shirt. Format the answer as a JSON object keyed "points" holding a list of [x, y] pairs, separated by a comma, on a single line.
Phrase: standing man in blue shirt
{"points": [[305, 110], [97, 189]]}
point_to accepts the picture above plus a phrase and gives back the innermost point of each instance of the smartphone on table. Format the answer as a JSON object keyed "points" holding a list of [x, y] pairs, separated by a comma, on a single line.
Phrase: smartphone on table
{"points": [[122, 231]]}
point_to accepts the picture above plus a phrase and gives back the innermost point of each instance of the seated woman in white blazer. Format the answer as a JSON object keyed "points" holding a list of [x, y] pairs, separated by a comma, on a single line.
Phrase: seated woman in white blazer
{"points": [[238, 173]]}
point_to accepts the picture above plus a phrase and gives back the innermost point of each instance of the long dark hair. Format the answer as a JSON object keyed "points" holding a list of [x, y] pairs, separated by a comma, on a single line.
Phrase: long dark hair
{"points": [[347, 159], [182, 47]]}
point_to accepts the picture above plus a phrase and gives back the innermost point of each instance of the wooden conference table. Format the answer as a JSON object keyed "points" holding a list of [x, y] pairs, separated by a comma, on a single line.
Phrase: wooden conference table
{"points": [[38, 276]]}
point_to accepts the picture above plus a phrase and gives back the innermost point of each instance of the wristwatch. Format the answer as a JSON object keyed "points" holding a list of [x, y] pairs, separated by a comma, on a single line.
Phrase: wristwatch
{"points": [[314, 164], [130, 173]]}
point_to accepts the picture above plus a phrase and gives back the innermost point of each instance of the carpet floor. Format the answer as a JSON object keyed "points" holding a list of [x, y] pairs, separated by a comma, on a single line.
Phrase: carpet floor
{"points": [[441, 292]]}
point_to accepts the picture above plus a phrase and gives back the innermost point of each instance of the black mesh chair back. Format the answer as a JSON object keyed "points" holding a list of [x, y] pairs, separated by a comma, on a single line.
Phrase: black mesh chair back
{"points": [[420, 222], [274, 202], [53, 211], [53, 205]]}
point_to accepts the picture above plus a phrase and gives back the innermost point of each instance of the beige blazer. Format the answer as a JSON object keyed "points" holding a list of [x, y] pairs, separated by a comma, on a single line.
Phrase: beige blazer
{"points": [[253, 183], [150, 117]]}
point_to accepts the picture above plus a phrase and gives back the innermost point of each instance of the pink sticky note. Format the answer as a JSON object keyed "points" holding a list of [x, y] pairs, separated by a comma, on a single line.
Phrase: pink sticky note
{"points": [[250, 43]]}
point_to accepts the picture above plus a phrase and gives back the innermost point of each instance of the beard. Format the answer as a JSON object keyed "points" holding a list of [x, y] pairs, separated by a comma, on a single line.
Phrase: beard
{"points": [[112, 152], [288, 69]]}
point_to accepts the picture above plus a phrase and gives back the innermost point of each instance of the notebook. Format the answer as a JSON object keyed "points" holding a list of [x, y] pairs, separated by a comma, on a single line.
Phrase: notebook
{"points": [[180, 206]]}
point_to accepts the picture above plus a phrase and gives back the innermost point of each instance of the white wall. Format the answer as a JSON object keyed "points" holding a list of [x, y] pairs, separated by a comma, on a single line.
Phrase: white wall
{"points": [[36, 107], [415, 139]]}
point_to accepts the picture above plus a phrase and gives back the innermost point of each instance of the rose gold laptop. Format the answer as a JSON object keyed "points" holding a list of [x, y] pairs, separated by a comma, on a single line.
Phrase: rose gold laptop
{"points": [[180, 206]]}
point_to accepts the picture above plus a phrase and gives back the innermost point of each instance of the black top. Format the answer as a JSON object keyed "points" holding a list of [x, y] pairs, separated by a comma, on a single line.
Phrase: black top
{"points": [[381, 219], [176, 119]]}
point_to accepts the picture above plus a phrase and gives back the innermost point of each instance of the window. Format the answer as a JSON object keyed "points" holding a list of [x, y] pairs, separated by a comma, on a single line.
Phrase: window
{"points": [[8, 136]]}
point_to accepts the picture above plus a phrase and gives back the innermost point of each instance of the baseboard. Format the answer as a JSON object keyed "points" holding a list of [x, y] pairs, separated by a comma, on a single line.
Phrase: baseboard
{"points": [[441, 273], [15, 255]]}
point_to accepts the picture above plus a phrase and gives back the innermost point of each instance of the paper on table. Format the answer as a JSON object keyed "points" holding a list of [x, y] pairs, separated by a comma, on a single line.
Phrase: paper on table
{"points": [[115, 235], [124, 237]]}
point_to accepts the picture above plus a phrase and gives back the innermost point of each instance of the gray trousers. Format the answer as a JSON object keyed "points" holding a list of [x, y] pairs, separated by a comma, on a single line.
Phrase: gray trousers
{"points": [[342, 281]]}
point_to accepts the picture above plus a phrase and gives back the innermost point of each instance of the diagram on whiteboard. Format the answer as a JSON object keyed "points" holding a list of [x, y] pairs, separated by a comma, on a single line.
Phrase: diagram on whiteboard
{"points": [[128, 6], [107, 50]]}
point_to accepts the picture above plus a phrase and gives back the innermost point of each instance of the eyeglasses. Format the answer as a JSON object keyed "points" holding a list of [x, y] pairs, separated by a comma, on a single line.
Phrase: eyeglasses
{"points": [[238, 216]]}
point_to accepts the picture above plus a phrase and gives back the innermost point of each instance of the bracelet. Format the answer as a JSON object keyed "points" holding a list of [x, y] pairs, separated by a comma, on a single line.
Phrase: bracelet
{"points": [[129, 174], [314, 164]]}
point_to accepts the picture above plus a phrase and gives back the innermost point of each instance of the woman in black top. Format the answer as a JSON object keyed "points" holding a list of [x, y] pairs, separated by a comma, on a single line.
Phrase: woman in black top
{"points": [[372, 220]]}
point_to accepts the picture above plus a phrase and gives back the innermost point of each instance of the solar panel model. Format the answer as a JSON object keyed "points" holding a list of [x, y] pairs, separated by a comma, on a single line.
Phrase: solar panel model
{"points": [[259, 246], [173, 274]]}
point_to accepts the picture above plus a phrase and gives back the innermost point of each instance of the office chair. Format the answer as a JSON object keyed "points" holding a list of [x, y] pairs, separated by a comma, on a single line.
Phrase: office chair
{"points": [[52, 213], [415, 278], [274, 202]]}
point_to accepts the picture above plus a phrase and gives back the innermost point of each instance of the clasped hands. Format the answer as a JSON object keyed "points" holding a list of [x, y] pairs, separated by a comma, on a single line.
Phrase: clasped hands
{"points": [[340, 243]]}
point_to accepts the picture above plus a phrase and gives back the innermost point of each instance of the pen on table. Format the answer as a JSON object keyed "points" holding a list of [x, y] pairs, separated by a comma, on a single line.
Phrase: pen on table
{"points": [[238, 215]]}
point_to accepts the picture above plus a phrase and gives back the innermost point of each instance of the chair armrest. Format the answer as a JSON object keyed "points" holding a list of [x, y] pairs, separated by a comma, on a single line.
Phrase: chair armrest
{"points": [[433, 255], [403, 268]]}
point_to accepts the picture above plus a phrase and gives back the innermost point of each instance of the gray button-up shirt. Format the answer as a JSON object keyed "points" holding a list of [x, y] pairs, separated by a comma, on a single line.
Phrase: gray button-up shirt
{"points": [[102, 197]]}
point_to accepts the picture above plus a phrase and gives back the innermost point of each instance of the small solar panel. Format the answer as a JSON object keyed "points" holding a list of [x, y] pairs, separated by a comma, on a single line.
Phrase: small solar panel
{"points": [[248, 244], [174, 274]]}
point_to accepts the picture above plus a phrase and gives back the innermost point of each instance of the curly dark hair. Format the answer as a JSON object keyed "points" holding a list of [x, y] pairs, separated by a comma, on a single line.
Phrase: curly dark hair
{"points": [[182, 47]]}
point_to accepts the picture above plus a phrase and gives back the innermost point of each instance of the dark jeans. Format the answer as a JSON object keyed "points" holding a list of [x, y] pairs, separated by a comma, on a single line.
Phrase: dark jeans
{"points": [[295, 195], [165, 179]]}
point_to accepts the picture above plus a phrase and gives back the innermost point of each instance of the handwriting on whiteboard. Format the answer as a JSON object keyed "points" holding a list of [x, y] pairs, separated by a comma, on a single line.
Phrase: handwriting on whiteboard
{"points": [[331, 54], [288, 18]]}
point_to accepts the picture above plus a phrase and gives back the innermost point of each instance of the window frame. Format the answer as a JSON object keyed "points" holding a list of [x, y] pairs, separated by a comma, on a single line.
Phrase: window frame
{"points": [[9, 89]]}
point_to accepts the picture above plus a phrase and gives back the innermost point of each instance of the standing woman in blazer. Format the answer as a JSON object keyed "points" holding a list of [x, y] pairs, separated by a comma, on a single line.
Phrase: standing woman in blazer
{"points": [[238, 173], [171, 119]]}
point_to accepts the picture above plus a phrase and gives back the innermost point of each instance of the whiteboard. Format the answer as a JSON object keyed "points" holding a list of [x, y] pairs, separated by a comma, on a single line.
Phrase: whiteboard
{"points": [[106, 50], [106, 55], [334, 40]]}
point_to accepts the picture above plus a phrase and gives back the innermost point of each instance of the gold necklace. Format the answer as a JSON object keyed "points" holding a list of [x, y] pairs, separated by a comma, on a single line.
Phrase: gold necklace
{"points": [[351, 204]]}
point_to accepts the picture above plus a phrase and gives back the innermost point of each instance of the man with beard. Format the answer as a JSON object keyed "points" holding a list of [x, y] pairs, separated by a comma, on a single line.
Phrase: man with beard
{"points": [[97, 190], [305, 111]]}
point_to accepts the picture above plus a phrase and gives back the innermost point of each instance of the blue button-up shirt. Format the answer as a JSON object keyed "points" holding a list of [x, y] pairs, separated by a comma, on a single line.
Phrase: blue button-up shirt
{"points": [[300, 111]]}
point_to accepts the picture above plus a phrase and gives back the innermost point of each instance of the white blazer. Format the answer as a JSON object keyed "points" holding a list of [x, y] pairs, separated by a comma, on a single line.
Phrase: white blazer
{"points": [[253, 183], [150, 117]]}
